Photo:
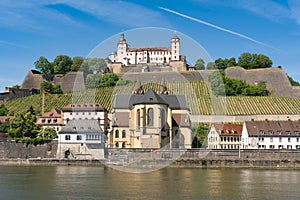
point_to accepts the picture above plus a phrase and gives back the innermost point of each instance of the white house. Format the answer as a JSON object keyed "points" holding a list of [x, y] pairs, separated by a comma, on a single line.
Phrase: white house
{"points": [[81, 139], [224, 136], [271, 135], [86, 112]]}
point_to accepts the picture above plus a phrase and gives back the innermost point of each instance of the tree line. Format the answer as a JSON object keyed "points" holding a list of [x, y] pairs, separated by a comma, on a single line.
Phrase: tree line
{"points": [[245, 60]]}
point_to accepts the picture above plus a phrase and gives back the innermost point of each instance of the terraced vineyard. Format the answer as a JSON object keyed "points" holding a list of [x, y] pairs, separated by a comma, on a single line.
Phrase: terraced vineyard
{"points": [[197, 93]]}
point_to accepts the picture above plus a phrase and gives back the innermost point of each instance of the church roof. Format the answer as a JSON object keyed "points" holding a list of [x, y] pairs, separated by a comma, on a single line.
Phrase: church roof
{"points": [[150, 97], [126, 101], [82, 126]]}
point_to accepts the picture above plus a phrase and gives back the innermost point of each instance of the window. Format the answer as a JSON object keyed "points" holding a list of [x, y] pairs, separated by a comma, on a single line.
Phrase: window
{"points": [[138, 118], [288, 132], [162, 118], [117, 144], [150, 117], [289, 139], [67, 137], [280, 139], [123, 134], [78, 137], [297, 139], [123, 144], [271, 132], [271, 139], [279, 132], [262, 132], [117, 134], [296, 132]]}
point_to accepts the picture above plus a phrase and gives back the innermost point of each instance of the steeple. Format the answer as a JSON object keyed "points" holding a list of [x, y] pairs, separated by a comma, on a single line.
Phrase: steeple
{"points": [[138, 89]]}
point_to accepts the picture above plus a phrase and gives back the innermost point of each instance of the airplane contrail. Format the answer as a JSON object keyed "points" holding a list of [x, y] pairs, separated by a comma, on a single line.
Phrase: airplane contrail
{"points": [[216, 27]]}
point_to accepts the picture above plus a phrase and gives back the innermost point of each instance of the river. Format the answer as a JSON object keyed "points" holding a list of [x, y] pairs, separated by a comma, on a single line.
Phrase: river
{"points": [[80, 182]]}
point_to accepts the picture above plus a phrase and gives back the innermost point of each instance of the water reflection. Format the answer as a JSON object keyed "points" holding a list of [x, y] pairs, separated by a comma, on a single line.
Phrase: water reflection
{"points": [[73, 182]]}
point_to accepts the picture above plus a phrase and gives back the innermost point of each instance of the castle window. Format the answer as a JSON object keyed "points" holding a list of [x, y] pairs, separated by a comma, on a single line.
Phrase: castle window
{"points": [[150, 117], [79, 137], [123, 134], [117, 134]]}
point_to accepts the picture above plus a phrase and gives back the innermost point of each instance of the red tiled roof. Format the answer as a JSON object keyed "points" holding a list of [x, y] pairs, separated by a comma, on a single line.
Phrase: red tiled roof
{"points": [[83, 107], [228, 129], [5, 118]]}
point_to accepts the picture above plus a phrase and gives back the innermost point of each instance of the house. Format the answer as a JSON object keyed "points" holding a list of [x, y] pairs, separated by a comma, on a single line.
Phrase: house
{"points": [[271, 134], [87, 112], [53, 118], [150, 120], [81, 139], [224, 136]]}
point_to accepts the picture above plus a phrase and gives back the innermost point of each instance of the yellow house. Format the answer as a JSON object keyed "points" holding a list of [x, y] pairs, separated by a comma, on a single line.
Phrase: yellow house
{"points": [[150, 120]]}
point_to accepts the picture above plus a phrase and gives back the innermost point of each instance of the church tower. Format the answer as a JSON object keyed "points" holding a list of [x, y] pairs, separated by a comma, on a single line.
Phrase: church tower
{"points": [[122, 48], [175, 47]]}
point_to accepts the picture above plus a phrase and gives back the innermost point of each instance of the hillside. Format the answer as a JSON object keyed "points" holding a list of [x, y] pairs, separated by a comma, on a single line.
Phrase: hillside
{"points": [[197, 92]]}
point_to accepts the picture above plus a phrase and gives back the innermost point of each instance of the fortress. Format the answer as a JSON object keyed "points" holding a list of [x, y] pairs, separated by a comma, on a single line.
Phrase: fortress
{"points": [[147, 59]]}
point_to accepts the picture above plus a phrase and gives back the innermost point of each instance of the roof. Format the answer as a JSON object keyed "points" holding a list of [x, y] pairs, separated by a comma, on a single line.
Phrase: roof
{"points": [[126, 101], [228, 129], [82, 126], [121, 119], [83, 107], [273, 128], [53, 117], [5, 118], [149, 49], [181, 120]]}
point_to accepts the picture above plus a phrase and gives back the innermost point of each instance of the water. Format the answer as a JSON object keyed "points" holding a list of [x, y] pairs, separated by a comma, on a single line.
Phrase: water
{"points": [[73, 182]]}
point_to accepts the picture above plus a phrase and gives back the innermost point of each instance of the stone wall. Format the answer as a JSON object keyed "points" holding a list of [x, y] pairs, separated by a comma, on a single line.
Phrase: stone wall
{"points": [[11, 149]]}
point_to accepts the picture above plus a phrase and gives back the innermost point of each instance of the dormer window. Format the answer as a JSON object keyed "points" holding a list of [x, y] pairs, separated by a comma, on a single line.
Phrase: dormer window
{"points": [[271, 132], [74, 127], [288, 132], [262, 132], [296, 132], [279, 132], [72, 105]]}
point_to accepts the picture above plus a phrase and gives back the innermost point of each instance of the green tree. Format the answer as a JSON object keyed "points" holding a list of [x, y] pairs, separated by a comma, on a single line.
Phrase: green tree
{"points": [[108, 79], [97, 65], [225, 63], [76, 64], [23, 126], [201, 133], [44, 66], [200, 64], [4, 126], [47, 133], [16, 87], [254, 61], [62, 64], [47, 87], [293, 82], [211, 65], [216, 82], [57, 89], [92, 80], [3, 110]]}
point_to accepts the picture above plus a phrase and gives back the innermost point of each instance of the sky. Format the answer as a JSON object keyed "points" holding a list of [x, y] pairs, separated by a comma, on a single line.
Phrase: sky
{"points": [[222, 29]]}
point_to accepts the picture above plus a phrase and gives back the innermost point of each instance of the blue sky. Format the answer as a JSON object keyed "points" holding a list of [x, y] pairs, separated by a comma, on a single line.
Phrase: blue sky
{"points": [[33, 28]]}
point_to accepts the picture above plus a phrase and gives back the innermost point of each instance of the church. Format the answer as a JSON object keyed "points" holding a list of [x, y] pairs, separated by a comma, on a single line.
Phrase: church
{"points": [[126, 57], [150, 120]]}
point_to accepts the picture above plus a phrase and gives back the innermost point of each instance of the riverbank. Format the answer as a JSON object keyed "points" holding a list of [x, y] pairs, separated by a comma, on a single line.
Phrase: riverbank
{"points": [[179, 163]]}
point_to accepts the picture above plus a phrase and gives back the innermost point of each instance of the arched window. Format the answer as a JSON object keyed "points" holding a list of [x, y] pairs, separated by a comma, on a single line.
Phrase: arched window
{"points": [[117, 144], [123, 145], [117, 134], [162, 118], [138, 118], [123, 134], [150, 117]]}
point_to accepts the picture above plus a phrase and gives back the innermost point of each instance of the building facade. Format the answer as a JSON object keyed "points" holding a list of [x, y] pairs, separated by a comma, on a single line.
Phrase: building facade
{"points": [[53, 118], [271, 135], [150, 120], [81, 139], [224, 136]]}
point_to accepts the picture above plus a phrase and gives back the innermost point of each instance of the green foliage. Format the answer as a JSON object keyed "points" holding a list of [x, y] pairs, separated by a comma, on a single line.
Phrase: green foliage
{"points": [[76, 64], [97, 65], [48, 133], [254, 61], [200, 64], [222, 86], [225, 63], [16, 87], [3, 110], [293, 82], [50, 88], [62, 64], [43, 65], [4, 126], [108, 80], [92, 80], [23, 126], [200, 132], [211, 65]]}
